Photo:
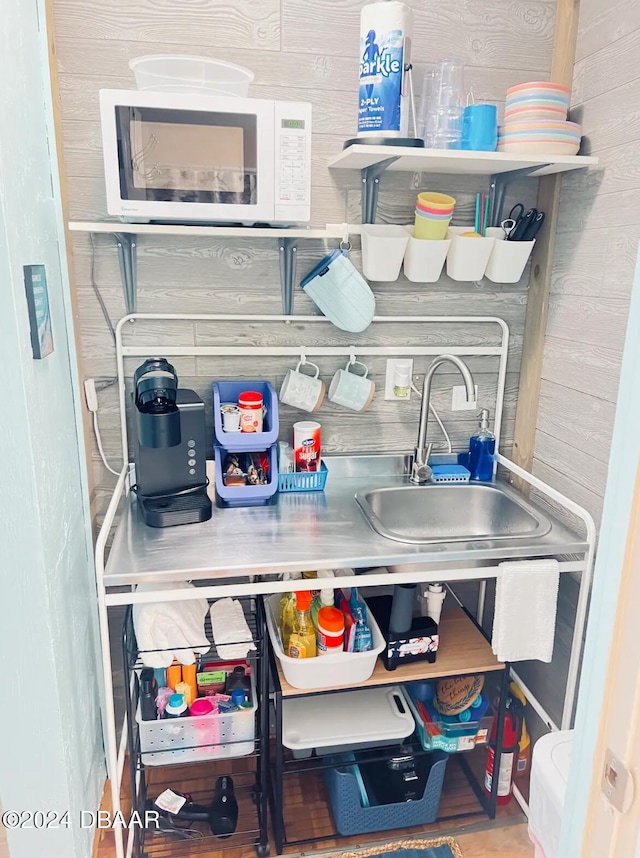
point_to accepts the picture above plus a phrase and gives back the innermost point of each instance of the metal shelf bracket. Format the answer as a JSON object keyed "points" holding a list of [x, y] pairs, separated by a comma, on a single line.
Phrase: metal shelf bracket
{"points": [[127, 245], [288, 248], [370, 177], [498, 185]]}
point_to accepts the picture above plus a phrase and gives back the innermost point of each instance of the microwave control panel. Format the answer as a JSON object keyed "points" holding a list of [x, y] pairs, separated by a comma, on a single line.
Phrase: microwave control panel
{"points": [[293, 161]]}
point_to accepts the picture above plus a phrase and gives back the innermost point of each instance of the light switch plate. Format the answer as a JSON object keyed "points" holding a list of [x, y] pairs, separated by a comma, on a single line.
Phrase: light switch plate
{"points": [[459, 399], [390, 378], [617, 783]]}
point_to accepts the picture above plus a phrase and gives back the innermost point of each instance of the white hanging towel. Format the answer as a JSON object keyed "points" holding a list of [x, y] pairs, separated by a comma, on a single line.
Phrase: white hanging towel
{"points": [[231, 633], [524, 622], [168, 630]]}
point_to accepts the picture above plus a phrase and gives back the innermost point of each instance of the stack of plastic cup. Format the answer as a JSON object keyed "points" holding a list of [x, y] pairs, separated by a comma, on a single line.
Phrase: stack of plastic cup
{"points": [[433, 215], [444, 105]]}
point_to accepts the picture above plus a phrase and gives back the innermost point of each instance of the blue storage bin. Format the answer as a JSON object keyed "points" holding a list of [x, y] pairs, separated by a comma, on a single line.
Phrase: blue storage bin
{"points": [[351, 817], [246, 495], [245, 442]]}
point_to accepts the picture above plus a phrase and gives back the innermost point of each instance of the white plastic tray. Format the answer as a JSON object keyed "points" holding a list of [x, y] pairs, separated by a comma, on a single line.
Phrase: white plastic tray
{"points": [[324, 671], [366, 716]]}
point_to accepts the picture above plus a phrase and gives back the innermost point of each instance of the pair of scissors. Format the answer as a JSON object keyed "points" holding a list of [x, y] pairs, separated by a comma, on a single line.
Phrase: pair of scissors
{"points": [[522, 225]]}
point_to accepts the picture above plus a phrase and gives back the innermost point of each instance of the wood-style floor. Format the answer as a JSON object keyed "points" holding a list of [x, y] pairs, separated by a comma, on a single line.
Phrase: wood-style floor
{"points": [[308, 815], [509, 842]]}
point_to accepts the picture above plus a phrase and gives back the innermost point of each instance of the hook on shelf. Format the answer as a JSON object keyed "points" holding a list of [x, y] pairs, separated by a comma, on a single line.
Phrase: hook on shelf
{"points": [[345, 242]]}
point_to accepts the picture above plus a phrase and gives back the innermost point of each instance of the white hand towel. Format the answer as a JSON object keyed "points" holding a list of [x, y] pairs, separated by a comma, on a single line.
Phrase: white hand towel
{"points": [[231, 633], [168, 630], [524, 622]]}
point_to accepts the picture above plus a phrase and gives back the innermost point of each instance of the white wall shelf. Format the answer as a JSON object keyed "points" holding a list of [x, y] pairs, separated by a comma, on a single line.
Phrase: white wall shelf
{"points": [[126, 236], [501, 167], [166, 229], [359, 157]]}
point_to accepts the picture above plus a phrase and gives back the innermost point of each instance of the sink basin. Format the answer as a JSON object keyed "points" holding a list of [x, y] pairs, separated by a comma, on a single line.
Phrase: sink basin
{"points": [[450, 513]]}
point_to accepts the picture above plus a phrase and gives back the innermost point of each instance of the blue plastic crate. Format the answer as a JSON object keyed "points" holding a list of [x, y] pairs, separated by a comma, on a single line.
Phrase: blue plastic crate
{"points": [[304, 481], [351, 817], [245, 442], [246, 495]]}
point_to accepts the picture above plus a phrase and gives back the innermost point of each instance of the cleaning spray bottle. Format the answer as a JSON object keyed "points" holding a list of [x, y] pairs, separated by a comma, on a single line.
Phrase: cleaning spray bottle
{"points": [[323, 599], [482, 448]]}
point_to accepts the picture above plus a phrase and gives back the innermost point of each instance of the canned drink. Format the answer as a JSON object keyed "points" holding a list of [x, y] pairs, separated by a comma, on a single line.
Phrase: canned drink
{"points": [[306, 446]]}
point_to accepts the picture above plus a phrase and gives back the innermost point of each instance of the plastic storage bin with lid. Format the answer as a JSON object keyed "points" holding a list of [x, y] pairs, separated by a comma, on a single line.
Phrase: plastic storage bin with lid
{"points": [[549, 773], [177, 73]]}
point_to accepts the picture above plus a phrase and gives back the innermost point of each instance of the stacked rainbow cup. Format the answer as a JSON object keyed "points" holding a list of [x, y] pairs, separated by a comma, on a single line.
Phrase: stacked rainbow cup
{"points": [[433, 215]]}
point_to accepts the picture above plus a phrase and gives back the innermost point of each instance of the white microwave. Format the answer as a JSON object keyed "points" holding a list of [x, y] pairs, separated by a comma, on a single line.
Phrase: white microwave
{"points": [[214, 159]]}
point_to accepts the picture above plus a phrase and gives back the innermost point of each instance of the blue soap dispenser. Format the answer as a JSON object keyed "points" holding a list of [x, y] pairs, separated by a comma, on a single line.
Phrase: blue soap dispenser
{"points": [[482, 446]]}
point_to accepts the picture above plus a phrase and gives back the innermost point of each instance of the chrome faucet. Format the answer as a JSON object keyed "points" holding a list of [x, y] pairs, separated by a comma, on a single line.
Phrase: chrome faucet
{"points": [[421, 472]]}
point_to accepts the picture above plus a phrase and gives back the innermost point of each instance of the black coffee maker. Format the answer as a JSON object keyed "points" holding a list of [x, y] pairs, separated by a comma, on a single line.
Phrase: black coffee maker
{"points": [[170, 448]]}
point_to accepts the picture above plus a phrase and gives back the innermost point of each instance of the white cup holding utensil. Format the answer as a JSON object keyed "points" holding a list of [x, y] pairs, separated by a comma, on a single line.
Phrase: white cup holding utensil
{"points": [[351, 387], [303, 391]]}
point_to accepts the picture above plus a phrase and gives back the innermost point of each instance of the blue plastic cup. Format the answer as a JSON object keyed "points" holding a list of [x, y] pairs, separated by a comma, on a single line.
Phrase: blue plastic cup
{"points": [[480, 128]]}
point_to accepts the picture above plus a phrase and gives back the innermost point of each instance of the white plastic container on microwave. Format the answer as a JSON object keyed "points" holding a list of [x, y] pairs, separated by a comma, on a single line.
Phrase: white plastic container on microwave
{"points": [[208, 158]]}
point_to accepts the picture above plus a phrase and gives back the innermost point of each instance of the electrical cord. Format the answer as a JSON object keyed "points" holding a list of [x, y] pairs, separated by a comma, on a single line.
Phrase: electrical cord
{"points": [[437, 417], [188, 491], [100, 447]]}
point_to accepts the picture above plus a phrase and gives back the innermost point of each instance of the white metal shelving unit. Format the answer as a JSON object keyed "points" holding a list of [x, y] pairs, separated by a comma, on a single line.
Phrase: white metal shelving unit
{"points": [[200, 555]]}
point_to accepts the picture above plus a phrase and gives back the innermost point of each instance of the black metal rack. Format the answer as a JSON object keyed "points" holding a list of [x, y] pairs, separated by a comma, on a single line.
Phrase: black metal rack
{"points": [[487, 804], [197, 777]]}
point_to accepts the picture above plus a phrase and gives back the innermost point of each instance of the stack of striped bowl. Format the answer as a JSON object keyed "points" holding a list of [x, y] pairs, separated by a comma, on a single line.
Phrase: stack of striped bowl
{"points": [[535, 121]]}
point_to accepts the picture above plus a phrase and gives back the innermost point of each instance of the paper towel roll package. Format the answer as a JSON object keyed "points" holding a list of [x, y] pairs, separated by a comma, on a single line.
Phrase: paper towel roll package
{"points": [[385, 37]]}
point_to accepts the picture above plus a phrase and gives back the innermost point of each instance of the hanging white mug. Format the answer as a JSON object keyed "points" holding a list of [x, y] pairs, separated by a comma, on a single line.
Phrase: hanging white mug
{"points": [[351, 387], [303, 391]]}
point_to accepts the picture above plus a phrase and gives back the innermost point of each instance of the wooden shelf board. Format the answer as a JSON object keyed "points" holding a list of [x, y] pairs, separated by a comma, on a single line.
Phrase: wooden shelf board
{"points": [[462, 650], [359, 156]]}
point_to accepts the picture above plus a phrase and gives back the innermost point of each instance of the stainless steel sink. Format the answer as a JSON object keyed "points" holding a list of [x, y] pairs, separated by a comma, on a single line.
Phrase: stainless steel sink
{"points": [[450, 513]]}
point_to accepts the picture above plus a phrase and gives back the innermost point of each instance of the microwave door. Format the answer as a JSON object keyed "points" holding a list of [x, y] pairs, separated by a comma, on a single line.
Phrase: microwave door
{"points": [[194, 165]]}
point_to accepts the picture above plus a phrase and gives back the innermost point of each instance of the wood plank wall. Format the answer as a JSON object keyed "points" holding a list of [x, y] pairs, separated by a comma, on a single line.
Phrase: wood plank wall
{"points": [[304, 51], [596, 247]]}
